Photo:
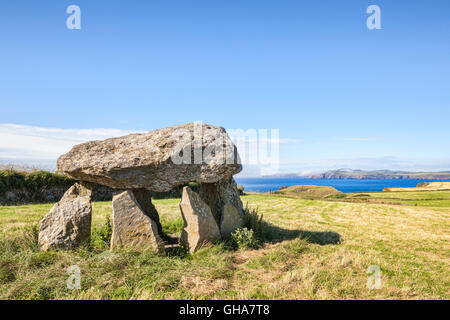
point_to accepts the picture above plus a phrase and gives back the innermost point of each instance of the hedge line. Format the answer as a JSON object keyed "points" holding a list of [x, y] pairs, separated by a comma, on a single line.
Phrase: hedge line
{"points": [[31, 181], [40, 180]]}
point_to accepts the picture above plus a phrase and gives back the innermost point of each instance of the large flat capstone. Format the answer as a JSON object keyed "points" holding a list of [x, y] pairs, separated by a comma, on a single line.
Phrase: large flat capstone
{"points": [[157, 161]]}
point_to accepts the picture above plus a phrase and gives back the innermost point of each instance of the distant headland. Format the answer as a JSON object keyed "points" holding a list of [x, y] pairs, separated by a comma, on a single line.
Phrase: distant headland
{"points": [[374, 174]]}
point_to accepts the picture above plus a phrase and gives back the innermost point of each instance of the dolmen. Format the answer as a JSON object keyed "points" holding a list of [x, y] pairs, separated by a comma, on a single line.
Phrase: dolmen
{"points": [[139, 165]]}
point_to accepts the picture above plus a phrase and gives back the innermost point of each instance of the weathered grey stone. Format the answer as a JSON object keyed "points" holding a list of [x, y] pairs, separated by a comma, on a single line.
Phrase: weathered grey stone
{"points": [[144, 198], [231, 220], [200, 227], [132, 228], [147, 160], [229, 193], [217, 195], [68, 224]]}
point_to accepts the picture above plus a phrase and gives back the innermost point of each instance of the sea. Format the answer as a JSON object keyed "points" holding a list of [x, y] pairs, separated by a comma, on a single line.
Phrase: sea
{"points": [[343, 185]]}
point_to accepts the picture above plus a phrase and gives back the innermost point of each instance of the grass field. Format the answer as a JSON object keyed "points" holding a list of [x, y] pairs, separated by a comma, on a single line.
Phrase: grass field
{"points": [[415, 198], [318, 250]]}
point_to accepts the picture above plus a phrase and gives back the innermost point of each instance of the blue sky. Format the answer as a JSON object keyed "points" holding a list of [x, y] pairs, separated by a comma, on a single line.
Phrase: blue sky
{"points": [[340, 94]]}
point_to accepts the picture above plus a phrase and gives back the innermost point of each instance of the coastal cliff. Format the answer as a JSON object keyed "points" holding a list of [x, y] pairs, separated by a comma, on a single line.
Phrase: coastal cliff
{"points": [[380, 174], [375, 174]]}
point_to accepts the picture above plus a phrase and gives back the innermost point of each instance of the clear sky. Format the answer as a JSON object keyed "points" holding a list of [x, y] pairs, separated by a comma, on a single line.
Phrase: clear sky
{"points": [[340, 94]]}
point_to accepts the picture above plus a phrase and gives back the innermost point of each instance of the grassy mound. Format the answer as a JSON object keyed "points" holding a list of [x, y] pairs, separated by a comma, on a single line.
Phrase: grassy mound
{"points": [[308, 191], [423, 186]]}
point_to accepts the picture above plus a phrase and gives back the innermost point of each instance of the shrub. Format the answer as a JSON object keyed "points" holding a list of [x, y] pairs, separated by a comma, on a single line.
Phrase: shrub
{"points": [[245, 239], [101, 236], [31, 181], [361, 196], [254, 221], [336, 196], [253, 233], [240, 190]]}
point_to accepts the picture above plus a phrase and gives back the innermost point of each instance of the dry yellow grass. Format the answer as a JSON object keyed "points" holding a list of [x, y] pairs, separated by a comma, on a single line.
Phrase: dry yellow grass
{"points": [[424, 186], [410, 244]]}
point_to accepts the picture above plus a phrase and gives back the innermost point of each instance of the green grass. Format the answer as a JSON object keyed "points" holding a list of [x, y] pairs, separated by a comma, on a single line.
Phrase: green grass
{"points": [[417, 198], [317, 250], [309, 192]]}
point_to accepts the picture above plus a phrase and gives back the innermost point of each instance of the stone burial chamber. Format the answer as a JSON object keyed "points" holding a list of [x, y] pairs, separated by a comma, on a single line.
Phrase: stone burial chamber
{"points": [[138, 165]]}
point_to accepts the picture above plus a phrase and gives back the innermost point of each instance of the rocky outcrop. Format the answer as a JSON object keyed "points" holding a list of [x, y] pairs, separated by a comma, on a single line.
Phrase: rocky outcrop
{"points": [[132, 227], [379, 174], [158, 160], [200, 227], [68, 224]]}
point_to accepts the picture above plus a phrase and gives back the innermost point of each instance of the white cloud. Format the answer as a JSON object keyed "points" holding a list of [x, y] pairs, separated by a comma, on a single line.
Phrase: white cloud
{"points": [[21, 142], [40, 147]]}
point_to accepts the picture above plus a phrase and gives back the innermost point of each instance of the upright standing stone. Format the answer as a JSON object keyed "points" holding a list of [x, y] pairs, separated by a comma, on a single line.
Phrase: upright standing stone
{"points": [[200, 227], [68, 224], [132, 228], [230, 221], [144, 198], [217, 195], [229, 193]]}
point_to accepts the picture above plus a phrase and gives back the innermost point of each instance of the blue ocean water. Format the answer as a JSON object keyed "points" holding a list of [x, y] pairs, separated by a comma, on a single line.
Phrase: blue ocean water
{"points": [[343, 185]]}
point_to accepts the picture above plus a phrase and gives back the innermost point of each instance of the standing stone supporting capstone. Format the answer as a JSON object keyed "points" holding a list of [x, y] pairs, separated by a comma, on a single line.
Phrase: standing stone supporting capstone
{"points": [[217, 195], [229, 193], [144, 198], [132, 227], [68, 224], [209, 193], [200, 227], [230, 221]]}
